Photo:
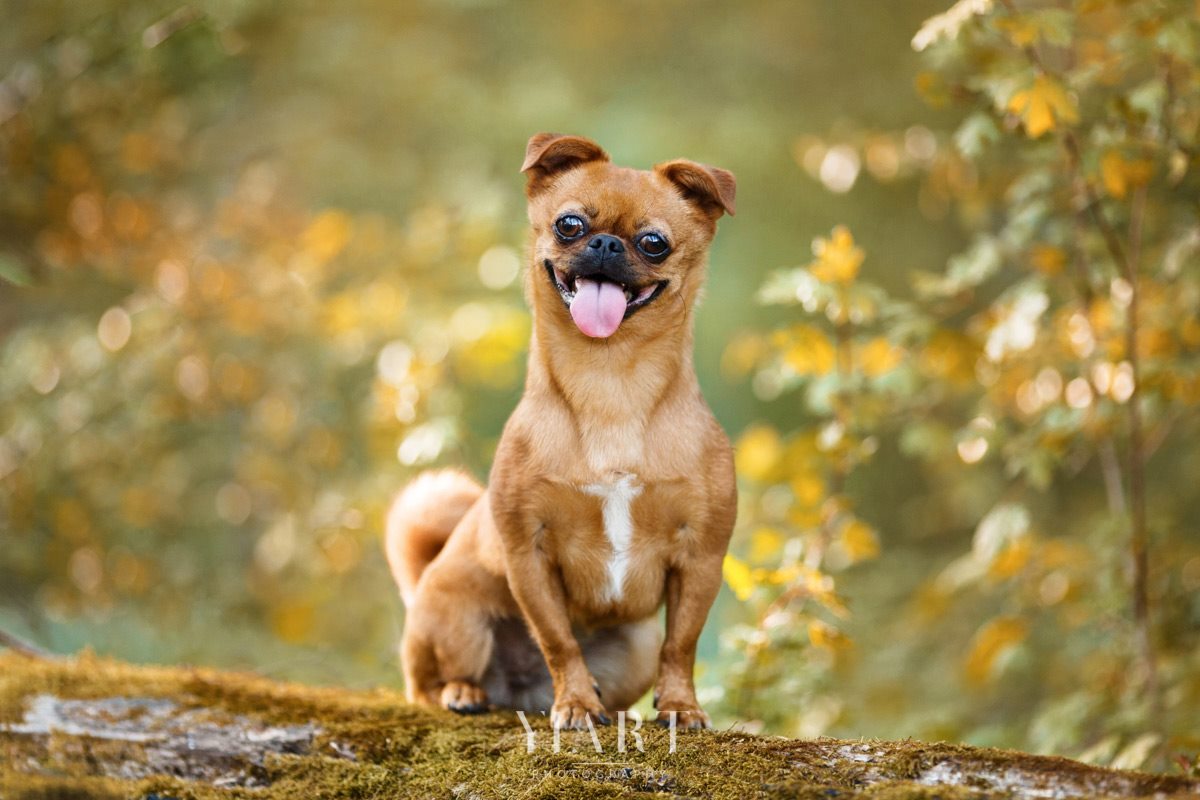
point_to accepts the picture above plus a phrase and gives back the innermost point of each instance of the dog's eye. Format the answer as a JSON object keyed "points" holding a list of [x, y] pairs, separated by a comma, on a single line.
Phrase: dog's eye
{"points": [[654, 246], [569, 226]]}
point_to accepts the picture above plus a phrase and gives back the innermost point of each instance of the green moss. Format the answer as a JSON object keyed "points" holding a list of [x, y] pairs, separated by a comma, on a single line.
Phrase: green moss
{"points": [[374, 745]]}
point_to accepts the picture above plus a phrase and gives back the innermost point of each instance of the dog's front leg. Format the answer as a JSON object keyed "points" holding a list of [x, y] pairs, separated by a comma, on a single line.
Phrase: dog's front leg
{"points": [[538, 588], [691, 589]]}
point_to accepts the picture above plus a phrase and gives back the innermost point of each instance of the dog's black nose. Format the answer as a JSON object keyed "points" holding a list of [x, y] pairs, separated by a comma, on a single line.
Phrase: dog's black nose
{"points": [[606, 244]]}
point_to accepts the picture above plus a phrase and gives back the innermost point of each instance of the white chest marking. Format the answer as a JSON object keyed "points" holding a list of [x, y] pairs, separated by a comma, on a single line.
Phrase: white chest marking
{"points": [[616, 501]]}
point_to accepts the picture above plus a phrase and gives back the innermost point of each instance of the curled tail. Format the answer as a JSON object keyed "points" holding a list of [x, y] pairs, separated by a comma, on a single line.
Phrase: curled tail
{"points": [[420, 521]]}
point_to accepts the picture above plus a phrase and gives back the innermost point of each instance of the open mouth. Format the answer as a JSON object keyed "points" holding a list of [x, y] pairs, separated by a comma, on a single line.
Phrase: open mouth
{"points": [[635, 298]]}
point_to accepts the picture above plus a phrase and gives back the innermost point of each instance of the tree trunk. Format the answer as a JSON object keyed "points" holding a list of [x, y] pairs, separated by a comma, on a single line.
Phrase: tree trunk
{"points": [[92, 727]]}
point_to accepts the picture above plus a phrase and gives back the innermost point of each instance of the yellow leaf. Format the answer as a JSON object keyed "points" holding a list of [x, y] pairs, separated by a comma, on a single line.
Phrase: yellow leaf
{"points": [[809, 489], [491, 359], [1020, 32], [1113, 175], [1042, 106], [859, 540], [804, 518], [823, 354], [758, 452], [950, 355], [879, 356], [820, 587], [1119, 173], [808, 351], [825, 636], [993, 640], [1190, 333], [765, 543], [932, 88], [741, 355], [838, 258], [817, 582], [1012, 559], [802, 454], [738, 575], [1048, 259], [327, 235], [833, 604], [784, 576]]}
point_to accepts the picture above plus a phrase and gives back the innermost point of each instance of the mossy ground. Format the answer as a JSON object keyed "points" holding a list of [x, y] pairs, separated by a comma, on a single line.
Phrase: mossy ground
{"points": [[374, 745]]}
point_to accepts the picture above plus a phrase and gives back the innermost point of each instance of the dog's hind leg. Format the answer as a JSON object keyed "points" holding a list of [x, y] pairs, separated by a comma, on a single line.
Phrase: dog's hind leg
{"points": [[449, 631], [422, 683], [446, 650]]}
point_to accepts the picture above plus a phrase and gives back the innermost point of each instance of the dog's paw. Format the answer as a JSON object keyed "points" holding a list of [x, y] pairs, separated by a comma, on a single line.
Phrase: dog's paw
{"points": [[572, 713], [464, 698], [687, 716]]}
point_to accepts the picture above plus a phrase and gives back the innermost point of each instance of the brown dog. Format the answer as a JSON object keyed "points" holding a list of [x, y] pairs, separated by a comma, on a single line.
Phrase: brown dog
{"points": [[612, 490]]}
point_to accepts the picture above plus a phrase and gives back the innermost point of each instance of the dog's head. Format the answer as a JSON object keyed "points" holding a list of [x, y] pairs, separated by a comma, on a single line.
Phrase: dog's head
{"points": [[618, 248]]}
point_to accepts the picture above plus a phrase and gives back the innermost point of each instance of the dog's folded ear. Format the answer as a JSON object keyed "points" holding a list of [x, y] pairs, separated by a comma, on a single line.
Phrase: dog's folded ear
{"points": [[711, 188], [548, 154]]}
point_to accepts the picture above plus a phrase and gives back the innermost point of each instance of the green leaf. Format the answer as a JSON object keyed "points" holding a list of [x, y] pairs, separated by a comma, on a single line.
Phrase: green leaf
{"points": [[965, 270], [1031, 185], [1178, 38], [790, 287], [976, 133], [1148, 97], [821, 392], [1026, 222], [1004, 524]]}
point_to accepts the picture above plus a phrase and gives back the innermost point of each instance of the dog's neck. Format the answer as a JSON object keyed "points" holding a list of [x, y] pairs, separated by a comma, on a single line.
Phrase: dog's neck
{"points": [[613, 387]]}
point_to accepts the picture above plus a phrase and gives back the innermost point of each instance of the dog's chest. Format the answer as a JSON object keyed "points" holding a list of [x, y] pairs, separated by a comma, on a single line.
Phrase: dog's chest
{"points": [[613, 541], [616, 517]]}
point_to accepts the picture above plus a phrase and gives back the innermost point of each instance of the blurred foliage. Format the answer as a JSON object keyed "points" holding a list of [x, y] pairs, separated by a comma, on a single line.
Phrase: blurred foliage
{"points": [[848, 361], [260, 264], [206, 384], [1045, 383]]}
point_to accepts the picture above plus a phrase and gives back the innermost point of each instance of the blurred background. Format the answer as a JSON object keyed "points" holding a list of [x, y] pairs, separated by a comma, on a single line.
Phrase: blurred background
{"points": [[259, 264]]}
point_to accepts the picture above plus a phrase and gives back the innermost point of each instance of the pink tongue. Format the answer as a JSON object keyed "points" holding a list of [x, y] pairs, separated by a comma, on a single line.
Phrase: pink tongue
{"points": [[598, 307]]}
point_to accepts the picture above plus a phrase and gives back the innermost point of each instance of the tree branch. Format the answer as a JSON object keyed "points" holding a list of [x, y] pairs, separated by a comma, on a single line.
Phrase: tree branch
{"points": [[1127, 264], [19, 645]]}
